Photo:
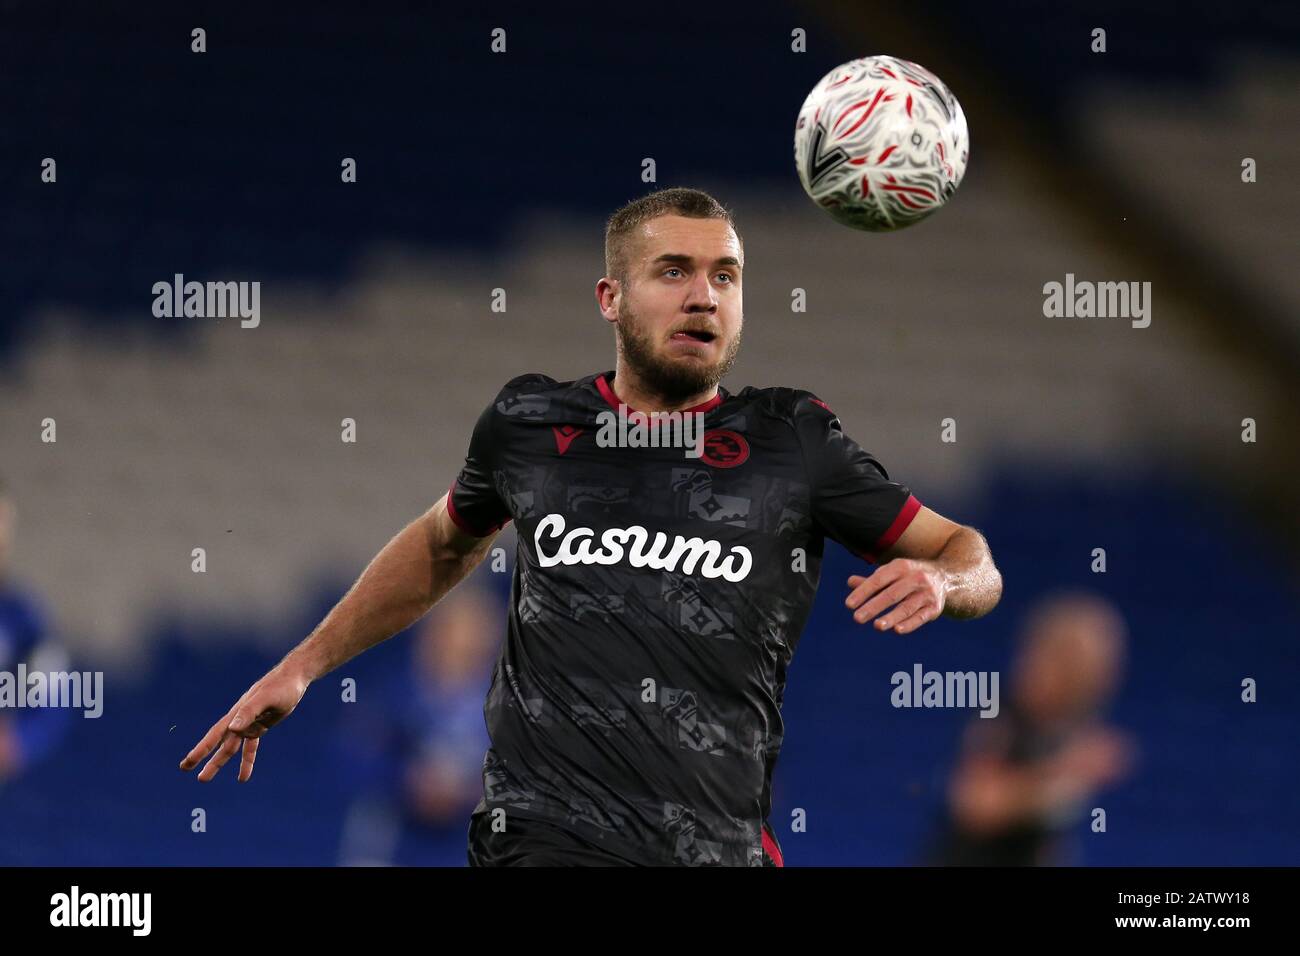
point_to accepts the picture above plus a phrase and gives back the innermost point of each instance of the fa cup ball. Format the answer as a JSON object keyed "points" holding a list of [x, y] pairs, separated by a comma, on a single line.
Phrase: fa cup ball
{"points": [[880, 143]]}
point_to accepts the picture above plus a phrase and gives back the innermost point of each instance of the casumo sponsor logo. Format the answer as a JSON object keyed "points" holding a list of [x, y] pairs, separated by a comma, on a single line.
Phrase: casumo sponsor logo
{"points": [[630, 544]]}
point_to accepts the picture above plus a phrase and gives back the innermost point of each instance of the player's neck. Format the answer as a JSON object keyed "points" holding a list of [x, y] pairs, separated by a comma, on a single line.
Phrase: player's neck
{"points": [[633, 393]]}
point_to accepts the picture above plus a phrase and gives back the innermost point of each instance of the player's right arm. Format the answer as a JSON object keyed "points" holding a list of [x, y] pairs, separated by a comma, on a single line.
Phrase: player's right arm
{"points": [[404, 580]]}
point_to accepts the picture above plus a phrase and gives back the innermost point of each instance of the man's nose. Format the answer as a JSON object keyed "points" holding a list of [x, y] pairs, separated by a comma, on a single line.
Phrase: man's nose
{"points": [[701, 294]]}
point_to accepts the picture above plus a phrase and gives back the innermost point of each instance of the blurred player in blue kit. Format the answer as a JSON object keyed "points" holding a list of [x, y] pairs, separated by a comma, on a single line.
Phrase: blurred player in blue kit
{"points": [[26, 734]]}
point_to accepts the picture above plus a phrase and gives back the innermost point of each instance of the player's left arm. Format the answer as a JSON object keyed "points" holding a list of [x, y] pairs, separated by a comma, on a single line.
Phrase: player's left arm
{"points": [[935, 567]]}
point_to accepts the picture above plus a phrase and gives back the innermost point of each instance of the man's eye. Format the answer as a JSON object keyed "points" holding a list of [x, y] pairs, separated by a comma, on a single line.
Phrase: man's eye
{"points": [[725, 275], [673, 269]]}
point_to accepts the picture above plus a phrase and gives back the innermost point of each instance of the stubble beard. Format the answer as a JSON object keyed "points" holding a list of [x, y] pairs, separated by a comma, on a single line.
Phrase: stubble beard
{"points": [[671, 380]]}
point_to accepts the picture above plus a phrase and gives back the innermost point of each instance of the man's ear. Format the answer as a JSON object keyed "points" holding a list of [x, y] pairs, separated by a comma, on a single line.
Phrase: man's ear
{"points": [[611, 286]]}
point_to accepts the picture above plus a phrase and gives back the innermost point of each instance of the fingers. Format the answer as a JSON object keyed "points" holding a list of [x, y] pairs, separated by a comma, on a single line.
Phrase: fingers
{"points": [[250, 718], [249, 755], [205, 746], [231, 733], [909, 615], [865, 587], [881, 602], [229, 744], [902, 585]]}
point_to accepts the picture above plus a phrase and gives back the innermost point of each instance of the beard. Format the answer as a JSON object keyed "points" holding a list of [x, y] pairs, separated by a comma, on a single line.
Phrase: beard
{"points": [[672, 380]]}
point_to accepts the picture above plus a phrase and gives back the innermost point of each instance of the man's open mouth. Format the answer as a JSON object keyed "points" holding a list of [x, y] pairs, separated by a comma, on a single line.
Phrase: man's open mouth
{"points": [[698, 335]]}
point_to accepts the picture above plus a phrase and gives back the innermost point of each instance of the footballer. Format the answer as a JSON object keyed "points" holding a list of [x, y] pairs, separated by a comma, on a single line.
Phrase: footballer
{"points": [[658, 597]]}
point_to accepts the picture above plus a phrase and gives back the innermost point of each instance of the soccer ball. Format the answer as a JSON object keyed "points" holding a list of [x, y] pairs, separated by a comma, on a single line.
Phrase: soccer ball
{"points": [[880, 143]]}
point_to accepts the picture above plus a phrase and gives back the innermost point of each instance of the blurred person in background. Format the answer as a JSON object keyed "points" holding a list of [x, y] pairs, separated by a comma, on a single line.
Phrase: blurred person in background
{"points": [[421, 743], [26, 734], [1024, 779]]}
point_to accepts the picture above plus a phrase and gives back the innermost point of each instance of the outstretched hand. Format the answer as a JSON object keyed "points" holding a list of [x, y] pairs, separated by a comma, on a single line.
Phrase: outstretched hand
{"points": [[265, 704]]}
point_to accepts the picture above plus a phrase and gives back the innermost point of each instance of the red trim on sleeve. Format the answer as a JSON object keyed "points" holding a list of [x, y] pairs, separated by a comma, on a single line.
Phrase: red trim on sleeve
{"points": [[905, 516], [462, 523], [457, 519]]}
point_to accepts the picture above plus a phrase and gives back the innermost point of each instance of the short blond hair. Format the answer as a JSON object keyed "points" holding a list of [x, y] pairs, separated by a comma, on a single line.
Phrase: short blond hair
{"points": [[677, 201]]}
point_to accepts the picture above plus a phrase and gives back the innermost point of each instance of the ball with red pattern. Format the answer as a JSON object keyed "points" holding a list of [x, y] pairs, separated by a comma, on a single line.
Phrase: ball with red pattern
{"points": [[880, 143]]}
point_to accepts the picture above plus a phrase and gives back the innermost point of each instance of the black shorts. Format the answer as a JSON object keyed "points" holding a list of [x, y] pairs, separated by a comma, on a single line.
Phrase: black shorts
{"points": [[536, 843], [533, 843]]}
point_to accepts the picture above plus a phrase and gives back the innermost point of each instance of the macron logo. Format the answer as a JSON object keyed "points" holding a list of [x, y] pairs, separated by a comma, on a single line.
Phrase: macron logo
{"points": [[630, 543], [564, 436], [102, 909]]}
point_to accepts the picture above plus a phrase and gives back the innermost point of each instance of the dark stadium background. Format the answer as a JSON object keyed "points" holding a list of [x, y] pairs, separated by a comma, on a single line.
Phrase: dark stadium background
{"points": [[226, 166]]}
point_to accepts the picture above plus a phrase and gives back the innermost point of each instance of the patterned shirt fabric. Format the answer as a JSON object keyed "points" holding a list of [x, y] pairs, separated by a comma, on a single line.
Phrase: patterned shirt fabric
{"points": [[656, 603]]}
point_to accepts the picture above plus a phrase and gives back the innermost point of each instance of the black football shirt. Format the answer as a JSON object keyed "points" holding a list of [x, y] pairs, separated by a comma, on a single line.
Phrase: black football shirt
{"points": [[655, 606]]}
